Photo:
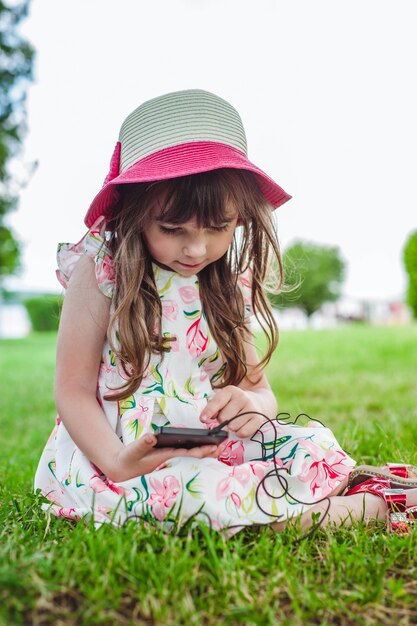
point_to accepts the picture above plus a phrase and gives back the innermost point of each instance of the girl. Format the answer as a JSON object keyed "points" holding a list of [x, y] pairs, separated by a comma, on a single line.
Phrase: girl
{"points": [[155, 330]]}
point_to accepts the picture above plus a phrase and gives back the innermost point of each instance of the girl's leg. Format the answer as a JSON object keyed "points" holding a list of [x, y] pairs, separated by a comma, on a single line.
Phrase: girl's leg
{"points": [[348, 509]]}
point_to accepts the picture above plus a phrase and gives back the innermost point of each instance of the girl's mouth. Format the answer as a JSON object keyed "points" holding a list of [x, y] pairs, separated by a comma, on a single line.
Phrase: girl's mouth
{"points": [[191, 267]]}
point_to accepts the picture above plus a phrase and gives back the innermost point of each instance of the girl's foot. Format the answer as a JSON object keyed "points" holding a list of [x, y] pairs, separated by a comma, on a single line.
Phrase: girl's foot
{"points": [[401, 504]]}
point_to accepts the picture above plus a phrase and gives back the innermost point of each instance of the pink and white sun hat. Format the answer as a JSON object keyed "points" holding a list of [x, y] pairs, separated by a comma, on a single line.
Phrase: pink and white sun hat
{"points": [[179, 133]]}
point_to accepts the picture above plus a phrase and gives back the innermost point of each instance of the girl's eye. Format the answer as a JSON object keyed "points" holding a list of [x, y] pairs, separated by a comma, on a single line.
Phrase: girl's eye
{"points": [[175, 231], [168, 231], [219, 228]]}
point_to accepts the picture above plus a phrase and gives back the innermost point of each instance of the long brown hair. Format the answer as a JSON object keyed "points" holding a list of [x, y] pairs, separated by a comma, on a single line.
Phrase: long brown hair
{"points": [[135, 326]]}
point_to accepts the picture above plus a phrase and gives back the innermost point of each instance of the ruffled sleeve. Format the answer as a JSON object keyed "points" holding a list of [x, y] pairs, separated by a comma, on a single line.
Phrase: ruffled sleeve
{"points": [[93, 244]]}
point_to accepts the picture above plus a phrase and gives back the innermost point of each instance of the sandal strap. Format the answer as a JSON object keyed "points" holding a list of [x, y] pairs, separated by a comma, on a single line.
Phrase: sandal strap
{"points": [[400, 469], [396, 500], [376, 485]]}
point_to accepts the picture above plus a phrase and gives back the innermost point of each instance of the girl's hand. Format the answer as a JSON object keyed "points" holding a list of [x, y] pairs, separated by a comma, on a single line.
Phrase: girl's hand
{"points": [[231, 401], [139, 457]]}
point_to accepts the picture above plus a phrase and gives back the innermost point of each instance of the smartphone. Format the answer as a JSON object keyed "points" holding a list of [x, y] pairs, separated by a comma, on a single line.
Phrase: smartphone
{"points": [[168, 437]]}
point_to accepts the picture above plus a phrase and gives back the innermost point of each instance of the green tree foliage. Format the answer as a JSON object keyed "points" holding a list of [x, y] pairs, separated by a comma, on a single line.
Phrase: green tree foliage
{"points": [[410, 262], [44, 312], [314, 275], [16, 59]]}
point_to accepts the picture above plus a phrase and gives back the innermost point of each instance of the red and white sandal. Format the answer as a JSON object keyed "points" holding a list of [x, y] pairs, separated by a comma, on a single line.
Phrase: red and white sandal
{"points": [[392, 486], [400, 476]]}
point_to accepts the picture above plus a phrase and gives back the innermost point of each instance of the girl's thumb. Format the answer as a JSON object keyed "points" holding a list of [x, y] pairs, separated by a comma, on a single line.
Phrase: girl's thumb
{"points": [[149, 440]]}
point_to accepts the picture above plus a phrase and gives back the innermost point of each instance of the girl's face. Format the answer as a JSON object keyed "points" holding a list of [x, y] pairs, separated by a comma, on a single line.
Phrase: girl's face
{"points": [[187, 248]]}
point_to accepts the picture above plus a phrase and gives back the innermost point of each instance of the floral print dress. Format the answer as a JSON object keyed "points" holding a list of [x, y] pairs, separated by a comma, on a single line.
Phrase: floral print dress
{"points": [[279, 474]]}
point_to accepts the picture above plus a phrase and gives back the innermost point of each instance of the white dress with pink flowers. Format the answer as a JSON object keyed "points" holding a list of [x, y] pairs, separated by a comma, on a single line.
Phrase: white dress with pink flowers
{"points": [[285, 470]]}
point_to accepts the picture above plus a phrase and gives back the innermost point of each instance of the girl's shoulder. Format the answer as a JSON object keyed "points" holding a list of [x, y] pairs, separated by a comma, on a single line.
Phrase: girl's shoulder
{"points": [[93, 244]]}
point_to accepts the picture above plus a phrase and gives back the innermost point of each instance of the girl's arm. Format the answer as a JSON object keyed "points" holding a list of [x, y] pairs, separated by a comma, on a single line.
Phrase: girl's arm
{"points": [[247, 396], [82, 331]]}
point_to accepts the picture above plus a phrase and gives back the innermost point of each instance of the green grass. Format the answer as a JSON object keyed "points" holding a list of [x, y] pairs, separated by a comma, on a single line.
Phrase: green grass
{"points": [[361, 381]]}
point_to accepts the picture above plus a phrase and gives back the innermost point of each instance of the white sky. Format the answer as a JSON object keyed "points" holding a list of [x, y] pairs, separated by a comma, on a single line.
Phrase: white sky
{"points": [[325, 88]]}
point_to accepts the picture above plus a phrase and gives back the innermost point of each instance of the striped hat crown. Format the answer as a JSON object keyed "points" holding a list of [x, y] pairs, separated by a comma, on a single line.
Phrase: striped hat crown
{"points": [[177, 118], [178, 134]]}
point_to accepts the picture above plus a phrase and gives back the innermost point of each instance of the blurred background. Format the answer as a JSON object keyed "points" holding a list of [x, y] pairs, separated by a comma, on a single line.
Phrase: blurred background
{"points": [[327, 97]]}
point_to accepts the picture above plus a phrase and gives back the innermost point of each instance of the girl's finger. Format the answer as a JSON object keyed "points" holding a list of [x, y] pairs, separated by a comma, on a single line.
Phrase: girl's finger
{"points": [[236, 425], [142, 446], [232, 410], [198, 452], [249, 429], [149, 440], [215, 405]]}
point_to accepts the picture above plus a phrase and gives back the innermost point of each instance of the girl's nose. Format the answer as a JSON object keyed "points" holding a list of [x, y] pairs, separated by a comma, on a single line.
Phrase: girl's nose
{"points": [[195, 246]]}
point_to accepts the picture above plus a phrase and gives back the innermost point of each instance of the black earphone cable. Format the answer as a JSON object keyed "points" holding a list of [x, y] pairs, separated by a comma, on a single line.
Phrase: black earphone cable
{"points": [[277, 472]]}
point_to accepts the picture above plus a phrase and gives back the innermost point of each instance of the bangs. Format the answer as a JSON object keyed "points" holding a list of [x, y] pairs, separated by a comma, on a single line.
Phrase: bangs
{"points": [[211, 198], [205, 197]]}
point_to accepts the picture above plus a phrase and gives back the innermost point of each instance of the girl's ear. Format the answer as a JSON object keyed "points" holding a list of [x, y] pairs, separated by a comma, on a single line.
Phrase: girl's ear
{"points": [[239, 221]]}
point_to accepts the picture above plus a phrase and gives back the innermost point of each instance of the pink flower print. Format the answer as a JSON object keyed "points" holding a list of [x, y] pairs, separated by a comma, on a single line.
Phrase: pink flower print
{"points": [[196, 340], [68, 513], [231, 453], [188, 294], [242, 473], [136, 419], [164, 495], [169, 309], [98, 485], [115, 488], [211, 364], [324, 474], [143, 406], [236, 500], [259, 468], [224, 487], [106, 272]]}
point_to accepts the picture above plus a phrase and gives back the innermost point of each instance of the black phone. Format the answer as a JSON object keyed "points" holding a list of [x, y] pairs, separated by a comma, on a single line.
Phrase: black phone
{"points": [[169, 437]]}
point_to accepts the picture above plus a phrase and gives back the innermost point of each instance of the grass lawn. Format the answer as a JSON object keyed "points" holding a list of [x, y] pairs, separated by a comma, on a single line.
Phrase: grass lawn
{"points": [[361, 381]]}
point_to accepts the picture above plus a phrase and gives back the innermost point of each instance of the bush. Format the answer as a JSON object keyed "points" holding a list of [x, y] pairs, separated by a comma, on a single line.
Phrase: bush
{"points": [[410, 262], [44, 312]]}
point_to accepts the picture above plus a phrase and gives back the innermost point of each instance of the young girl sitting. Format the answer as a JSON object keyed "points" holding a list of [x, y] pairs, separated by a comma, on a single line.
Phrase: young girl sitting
{"points": [[156, 331]]}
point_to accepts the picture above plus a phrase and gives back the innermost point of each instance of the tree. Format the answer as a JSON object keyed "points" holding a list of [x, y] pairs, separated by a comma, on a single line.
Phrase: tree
{"points": [[16, 60], [410, 262], [314, 275]]}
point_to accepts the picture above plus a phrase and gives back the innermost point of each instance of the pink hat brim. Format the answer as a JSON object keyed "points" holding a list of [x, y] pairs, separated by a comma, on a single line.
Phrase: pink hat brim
{"points": [[182, 160]]}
